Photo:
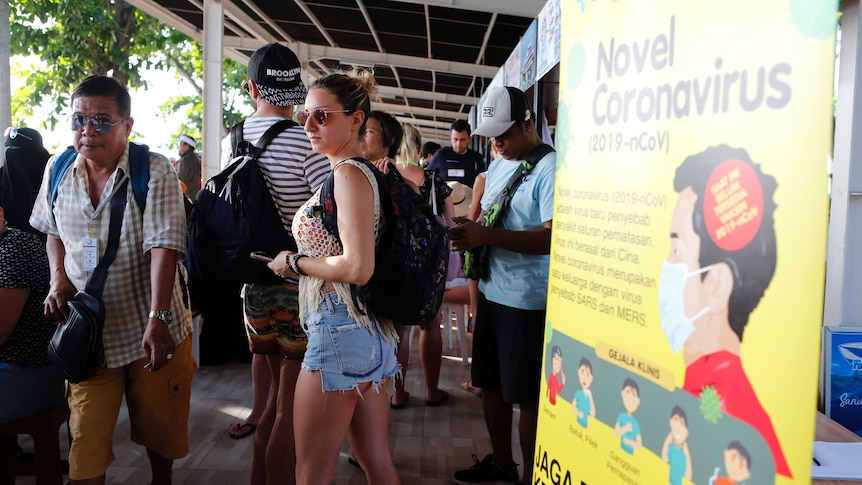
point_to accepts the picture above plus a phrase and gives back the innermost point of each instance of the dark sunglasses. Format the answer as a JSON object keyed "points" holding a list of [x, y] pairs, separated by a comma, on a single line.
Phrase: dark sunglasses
{"points": [[318, 114], [101, 124], [246, 87], [13, 133]]}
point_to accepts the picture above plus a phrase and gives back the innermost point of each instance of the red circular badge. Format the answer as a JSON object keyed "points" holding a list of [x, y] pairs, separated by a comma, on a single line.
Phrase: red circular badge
{"points": [[733, 205]]}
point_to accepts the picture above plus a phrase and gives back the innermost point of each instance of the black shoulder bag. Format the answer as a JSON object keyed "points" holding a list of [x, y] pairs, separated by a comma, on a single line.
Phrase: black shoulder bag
{"points": [[476, 259], [76, 347]]}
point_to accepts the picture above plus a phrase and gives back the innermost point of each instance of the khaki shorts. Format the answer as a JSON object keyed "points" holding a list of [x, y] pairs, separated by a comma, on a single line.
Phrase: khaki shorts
{"points": [[271, 314], [158, 405]]}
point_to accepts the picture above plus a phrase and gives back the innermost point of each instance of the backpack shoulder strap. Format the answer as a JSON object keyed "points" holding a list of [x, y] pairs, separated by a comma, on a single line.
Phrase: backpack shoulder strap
{"points": [[235, 137], [139, 168], [64, 161], [58, 170], [266, 138], [328, 210], [500, 204], [537, 154]]}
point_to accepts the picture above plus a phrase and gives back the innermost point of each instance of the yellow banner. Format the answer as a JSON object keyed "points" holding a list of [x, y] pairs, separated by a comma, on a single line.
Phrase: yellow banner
{"points": [[686, 288]]}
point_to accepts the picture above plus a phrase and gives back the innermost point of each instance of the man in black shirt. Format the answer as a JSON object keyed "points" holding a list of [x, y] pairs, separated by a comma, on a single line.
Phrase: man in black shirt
{"points": [[458, 163]]}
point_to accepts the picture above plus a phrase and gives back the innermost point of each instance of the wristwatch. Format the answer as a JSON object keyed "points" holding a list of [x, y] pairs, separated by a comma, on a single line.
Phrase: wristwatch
{"points": [[164, 315]]}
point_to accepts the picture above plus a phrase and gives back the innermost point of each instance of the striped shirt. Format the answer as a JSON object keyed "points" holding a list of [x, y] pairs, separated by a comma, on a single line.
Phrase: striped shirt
{"points": [[127, 293], [292, 170]]}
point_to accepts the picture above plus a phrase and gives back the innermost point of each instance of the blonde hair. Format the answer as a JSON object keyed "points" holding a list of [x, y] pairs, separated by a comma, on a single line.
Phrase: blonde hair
{"points": [[411, 143], [354, 88]]}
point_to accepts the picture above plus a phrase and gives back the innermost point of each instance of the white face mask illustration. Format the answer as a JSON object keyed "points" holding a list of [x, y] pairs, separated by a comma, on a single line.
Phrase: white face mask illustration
{"points": [[671, 303]]}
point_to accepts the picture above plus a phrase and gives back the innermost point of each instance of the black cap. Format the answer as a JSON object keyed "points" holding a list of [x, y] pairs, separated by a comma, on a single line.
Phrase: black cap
{"points": [[275, 70]]}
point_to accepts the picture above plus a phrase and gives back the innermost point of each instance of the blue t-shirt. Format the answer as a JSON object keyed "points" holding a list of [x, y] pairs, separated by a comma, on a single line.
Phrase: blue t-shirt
{"points": [[676, 460], [520, 280], [583, 402], [622, 420]]}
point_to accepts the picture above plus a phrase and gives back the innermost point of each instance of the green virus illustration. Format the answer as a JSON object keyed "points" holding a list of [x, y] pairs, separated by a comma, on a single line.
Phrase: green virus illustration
{"points": [[549, 332], [814, 19], [710, 405]]}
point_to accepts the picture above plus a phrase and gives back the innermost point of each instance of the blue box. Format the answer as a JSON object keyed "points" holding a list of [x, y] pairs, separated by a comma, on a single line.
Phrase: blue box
{"points": [[842, 376]]}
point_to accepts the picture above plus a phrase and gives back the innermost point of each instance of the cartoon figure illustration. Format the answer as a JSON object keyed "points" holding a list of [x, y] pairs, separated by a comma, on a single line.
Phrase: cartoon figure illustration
{"points": [[627, 428], [737, 464], [557, 379], [583, 405], [722, 259], [675, 449]]}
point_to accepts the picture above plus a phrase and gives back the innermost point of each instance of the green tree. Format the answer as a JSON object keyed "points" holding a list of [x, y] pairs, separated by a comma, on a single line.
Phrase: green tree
{"points": [[79, 38], [186, 61]]}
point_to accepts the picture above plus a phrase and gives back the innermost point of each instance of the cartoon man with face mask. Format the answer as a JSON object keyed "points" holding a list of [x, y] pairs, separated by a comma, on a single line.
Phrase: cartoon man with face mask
{"points": [[722, 259]]}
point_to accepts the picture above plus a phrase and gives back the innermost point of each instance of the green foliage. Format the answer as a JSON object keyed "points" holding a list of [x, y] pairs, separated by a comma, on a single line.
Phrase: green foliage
{"points": [[80, 38], [189, 68]]}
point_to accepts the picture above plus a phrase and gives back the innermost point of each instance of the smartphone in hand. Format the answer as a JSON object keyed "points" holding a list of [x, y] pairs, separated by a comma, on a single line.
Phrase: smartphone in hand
{"points": [[261, 256]]}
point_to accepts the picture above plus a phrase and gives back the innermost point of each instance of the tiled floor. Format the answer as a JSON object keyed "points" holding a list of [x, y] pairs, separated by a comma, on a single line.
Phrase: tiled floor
{"points": [[428, 443]]}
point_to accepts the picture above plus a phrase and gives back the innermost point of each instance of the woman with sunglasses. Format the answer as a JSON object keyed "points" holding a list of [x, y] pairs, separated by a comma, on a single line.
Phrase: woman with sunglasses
{"points": [[350, 358]]}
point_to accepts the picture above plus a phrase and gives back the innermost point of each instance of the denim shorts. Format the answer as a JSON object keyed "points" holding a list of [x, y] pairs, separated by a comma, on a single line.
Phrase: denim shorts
{"points": [[344, 351]]}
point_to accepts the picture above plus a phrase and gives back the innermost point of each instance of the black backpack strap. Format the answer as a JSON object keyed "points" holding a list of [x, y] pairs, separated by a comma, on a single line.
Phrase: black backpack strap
{"points": [[269, 135], [235, 137], [96, 281], [328, 211], [537, 154], [501, 203]]}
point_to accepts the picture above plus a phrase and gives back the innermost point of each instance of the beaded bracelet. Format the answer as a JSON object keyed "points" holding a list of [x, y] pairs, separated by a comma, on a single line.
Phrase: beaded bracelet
{"points": [[293, 263]]}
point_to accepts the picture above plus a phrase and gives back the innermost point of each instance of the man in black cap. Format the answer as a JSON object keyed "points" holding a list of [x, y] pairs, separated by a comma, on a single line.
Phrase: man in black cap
{"points": [[293, 172]]}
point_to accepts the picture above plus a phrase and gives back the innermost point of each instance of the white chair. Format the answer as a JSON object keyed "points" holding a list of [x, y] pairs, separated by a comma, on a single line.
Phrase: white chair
{"points": [[459, 312], [197, 324]]}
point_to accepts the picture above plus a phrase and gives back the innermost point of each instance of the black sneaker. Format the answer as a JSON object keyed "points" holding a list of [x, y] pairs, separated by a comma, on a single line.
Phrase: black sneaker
{"points": [[487, 472]]}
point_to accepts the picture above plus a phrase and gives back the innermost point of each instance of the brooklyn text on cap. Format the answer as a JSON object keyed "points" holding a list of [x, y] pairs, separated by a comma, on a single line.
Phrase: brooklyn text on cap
{"points": [[188, 140], [275, 70], [502, 108]]}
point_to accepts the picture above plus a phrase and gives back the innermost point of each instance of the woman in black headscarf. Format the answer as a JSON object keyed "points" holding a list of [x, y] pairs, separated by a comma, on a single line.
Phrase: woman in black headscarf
{"points": [[21, 177]]}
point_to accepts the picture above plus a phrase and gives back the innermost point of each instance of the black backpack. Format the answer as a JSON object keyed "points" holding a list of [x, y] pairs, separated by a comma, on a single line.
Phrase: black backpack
{"points": [[411, 257], [234, 214]]}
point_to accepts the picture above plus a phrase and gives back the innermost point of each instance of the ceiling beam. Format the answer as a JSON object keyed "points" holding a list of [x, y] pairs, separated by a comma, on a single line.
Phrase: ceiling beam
{"points": [[257, 11], [395, 109], [437, 125], [175, 21], [314, 20], [521, 8], [390, 91], [250, 25], [371, 58]]}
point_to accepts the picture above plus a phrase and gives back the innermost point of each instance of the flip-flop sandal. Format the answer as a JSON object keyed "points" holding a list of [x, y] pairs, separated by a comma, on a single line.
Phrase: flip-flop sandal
{"points": [[354, 462], [443, 397], [468, 386], [240, 431], [403, 403]]}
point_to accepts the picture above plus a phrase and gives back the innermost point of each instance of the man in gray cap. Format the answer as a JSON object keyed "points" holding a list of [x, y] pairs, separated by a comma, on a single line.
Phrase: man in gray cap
{"points": [[293, 173], [509, 335]]}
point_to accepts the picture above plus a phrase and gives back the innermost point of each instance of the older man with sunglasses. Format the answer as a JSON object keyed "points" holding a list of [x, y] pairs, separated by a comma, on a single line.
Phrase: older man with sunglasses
{"points": [[147, 349], [293, 172]]}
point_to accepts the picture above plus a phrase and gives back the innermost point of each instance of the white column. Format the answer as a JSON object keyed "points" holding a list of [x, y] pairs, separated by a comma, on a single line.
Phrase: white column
{"points": [[843, 302], [5, 81], [212, 100]]}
